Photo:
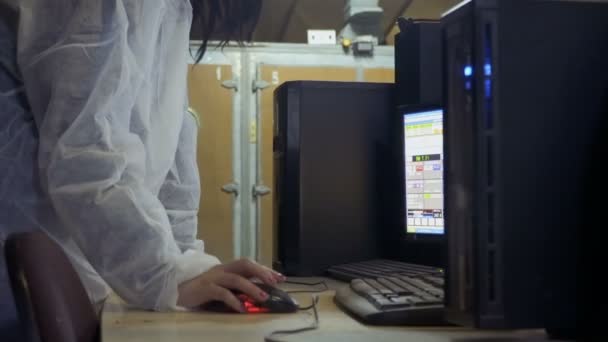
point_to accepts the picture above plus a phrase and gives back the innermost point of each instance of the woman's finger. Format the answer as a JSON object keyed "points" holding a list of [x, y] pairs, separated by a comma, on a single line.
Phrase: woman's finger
{"points": [[224, 295], [236, 282], [249, 269]]}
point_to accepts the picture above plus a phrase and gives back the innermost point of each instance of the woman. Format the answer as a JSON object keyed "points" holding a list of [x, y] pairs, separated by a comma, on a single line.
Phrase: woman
{"points": [[98, 149]]}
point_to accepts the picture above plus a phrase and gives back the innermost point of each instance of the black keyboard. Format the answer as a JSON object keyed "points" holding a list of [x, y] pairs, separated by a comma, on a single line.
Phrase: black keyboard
{"points": [[411, 295], [398, 300], [378, 268]]}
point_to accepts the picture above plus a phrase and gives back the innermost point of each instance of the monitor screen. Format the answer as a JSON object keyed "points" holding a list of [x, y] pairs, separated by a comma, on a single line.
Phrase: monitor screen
{"points": [[423, 139]]}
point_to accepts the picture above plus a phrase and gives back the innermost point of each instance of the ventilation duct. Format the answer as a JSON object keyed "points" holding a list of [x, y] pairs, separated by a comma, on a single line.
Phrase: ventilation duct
{"points": [[363, 21]]}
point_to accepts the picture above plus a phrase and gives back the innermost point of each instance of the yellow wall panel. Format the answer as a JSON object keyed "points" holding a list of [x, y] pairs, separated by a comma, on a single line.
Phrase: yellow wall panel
{"points": [[214, 105]]}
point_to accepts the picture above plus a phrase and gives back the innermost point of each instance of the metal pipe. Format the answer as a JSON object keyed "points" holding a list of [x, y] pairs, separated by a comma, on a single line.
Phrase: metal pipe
{"points": [[250, 159], [236, 160], [363, 18]]}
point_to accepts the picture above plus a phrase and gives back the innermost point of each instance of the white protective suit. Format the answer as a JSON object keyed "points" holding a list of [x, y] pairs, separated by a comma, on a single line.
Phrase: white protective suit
{"points": [[104, 157]]}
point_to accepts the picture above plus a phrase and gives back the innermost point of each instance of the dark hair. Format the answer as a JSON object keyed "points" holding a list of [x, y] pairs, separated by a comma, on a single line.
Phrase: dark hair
{"points": [[224, 20]]}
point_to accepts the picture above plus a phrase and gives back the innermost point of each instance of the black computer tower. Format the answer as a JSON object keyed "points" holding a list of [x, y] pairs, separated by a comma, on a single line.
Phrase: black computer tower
{"points": [[418, 62], [526, 92], [331, 145]]}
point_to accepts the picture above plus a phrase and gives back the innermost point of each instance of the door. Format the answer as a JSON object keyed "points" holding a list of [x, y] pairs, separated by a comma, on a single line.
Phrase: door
{"points": [[213, 103]]}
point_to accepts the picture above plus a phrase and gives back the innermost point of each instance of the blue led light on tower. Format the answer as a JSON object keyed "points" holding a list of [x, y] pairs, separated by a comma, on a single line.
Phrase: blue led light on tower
{"points": [[487, 69], [468, 71]]}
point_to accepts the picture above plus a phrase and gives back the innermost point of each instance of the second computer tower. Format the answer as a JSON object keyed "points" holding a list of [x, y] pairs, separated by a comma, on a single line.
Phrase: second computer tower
{"points": [[418, 76], [332, 143]]}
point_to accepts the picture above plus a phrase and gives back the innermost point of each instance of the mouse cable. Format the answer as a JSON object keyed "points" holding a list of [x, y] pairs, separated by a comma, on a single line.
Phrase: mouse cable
{"points": [[315, 300], [313, 326], [325, 287]]}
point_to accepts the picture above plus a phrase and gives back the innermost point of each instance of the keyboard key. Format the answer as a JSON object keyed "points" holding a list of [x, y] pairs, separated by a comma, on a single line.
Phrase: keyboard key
{"points": [[402, 285], [376, 296], [392, 286], [437, 281], [381, 288], [362, 288], [416, 300], [406, 288], [420, 283], [405, 283], [401, 300], [380, 301], [435, 291], [385, 303]]}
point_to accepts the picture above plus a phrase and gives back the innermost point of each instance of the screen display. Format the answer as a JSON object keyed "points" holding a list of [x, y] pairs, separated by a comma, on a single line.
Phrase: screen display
{"points": [[423, 135]]}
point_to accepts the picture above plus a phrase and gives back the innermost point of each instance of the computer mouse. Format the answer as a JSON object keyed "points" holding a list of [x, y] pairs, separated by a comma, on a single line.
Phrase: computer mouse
{"points": [[278, 301]]}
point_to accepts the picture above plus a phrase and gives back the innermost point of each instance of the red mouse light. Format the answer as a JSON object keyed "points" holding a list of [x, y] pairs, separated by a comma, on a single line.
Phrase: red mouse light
{"points": [[255, 309], [250, 307]]}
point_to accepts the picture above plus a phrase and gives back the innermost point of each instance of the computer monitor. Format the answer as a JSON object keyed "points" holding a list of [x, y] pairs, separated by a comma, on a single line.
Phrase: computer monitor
{"points": [[414, 202], [423, 154]]}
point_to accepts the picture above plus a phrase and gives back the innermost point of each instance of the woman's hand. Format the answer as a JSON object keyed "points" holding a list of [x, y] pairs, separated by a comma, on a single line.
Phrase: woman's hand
{"points": [[216, 283]]}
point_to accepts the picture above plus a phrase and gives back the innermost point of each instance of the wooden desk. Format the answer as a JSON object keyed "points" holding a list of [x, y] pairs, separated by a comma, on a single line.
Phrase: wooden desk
{"points": [[120, 323]]}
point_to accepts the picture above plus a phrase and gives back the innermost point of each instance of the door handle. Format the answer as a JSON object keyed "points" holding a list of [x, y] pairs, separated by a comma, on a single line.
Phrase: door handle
{"points": [[231, 188], [261, 190]]}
